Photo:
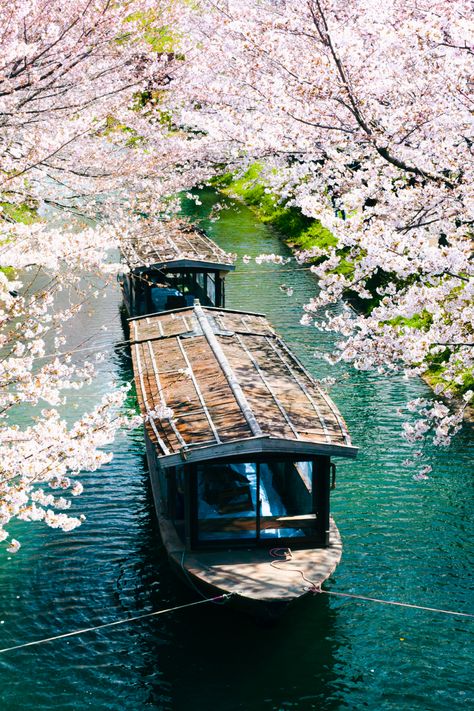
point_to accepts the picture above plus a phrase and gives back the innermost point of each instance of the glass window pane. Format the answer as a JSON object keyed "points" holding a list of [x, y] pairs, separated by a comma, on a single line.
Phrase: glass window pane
{"points": [[269, 500], [286, 500], [227, 501], [211, 288]]}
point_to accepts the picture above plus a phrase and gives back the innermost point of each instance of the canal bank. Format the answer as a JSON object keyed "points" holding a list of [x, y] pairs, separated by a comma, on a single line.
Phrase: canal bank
{"points": [[301, 233], [403, 540]]}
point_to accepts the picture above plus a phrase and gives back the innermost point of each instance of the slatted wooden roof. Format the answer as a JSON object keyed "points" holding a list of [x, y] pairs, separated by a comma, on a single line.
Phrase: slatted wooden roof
{"points": [[174, 243], [232, 387]]}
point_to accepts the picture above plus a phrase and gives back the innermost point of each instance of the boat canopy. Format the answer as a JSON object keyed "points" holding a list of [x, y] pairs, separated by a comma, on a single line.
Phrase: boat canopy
{"points": [[174, 244], [215, 383]]}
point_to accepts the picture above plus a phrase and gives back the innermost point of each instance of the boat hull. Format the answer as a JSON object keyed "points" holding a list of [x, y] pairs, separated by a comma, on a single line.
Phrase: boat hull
{"points": [[261, 582]]}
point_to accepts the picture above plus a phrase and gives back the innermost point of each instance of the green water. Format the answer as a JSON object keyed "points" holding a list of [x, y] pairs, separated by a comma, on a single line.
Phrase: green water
{"points": [[403, 540]]}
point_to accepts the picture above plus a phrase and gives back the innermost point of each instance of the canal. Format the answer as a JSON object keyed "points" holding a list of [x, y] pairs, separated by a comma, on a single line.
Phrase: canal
{"points": [[403, 540]]}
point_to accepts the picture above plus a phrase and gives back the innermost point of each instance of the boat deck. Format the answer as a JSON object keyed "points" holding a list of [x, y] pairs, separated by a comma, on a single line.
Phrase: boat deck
{"points": [[256, 575]]}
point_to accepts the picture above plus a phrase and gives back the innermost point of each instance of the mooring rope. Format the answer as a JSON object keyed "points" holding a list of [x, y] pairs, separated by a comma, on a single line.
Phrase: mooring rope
{"points": [[282, 555], [116, 622], [191, 582], [394, 602]]}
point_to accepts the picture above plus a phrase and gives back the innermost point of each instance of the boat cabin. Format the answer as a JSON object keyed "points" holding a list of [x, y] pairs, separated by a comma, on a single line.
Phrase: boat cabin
{"points": [[172, 263], [239, 435]]}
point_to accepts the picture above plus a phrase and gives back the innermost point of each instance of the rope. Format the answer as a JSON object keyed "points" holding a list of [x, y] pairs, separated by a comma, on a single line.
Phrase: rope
{"points": [[394, 602], [215, 600], [284, 554], [117, 622]]}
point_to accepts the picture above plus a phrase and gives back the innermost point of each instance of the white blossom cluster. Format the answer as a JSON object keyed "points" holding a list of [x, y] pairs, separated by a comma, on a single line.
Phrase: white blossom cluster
{"points": [[81, 136], [372, 134]]}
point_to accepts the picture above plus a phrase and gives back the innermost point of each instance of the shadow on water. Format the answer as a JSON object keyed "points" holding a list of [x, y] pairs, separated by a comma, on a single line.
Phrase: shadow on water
{"points": [[225, 661]]}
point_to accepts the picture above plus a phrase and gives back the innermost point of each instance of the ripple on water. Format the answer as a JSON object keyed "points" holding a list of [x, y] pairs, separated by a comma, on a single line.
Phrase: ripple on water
{"points": [[403, 540]]}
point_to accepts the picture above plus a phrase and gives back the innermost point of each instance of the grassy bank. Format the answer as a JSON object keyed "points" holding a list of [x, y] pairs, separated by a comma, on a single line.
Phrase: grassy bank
{"points": [[299, 231], [302, 233]]}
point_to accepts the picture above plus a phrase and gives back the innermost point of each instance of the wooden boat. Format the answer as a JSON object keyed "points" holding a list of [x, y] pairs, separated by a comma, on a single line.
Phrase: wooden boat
{"points": [[171, 263], [239, 441]]}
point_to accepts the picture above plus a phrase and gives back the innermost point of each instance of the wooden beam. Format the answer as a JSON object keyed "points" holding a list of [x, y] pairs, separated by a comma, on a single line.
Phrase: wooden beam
{"points": [[321, 487], [264, 445], [199, 392], [227, 370], [248, 523]]}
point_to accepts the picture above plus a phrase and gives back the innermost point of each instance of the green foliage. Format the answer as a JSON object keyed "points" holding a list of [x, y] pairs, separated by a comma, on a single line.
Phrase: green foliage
{"points": [[24, 213], [221, 181], [421, 322], [9, 272], [315, 235], [436, 374], [161, 38], [114, 126]]}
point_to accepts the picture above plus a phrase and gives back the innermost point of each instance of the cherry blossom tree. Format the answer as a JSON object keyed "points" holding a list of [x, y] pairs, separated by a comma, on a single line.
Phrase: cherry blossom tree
{"points": [[76, 136], [361, 114]]}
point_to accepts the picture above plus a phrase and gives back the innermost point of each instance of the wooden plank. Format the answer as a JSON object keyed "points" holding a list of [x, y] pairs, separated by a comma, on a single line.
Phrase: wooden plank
{"points": [[228, 372], [331, 405], [267, 385], [162, 398], [302, 386], [247, 571], [267, 411], [198, 391], [141, 383], [248, 523], [250, 446]]}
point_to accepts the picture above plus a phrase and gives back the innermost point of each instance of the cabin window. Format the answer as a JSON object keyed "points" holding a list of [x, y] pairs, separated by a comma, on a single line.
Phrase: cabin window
{"points": [[255, 500], [200, 279], [227, 501], [211, 288], [165, 298], [199, 287]]}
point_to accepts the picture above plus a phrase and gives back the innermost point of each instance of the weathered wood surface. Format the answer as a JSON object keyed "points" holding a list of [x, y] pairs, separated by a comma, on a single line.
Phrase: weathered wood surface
{"points": [[227, 377], [256, 575], [168, 241]]}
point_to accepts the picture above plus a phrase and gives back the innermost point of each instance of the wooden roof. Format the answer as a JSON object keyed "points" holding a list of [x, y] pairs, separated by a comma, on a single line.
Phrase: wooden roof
{"points": [[232, 386], [174, 243]]}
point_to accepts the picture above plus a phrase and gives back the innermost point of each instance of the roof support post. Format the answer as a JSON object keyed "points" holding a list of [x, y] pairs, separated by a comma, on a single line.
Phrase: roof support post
{"points": [[218, 284], [321, 487], [190, 506]]}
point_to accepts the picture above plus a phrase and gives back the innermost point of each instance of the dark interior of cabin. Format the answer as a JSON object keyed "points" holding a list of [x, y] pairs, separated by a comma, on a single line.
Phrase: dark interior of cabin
{"points": [[284, 500], [159, 290]]}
